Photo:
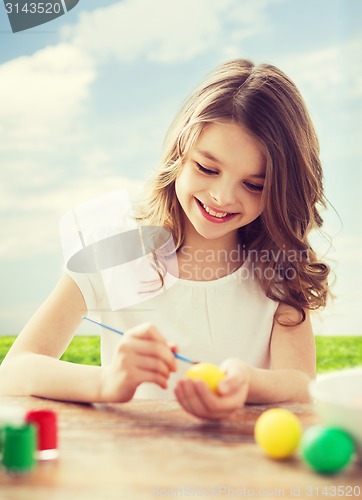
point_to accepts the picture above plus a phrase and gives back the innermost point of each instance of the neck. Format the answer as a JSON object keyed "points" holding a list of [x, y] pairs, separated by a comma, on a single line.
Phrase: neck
{"points": [[200, 259], [193, 240]]}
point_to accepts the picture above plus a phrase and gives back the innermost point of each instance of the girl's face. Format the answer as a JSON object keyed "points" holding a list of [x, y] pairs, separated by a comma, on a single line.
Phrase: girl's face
{"points": [[220, 184]]}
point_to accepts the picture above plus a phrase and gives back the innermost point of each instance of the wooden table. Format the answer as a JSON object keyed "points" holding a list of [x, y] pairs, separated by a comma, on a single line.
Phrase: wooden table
{"points": [[153, 449]]}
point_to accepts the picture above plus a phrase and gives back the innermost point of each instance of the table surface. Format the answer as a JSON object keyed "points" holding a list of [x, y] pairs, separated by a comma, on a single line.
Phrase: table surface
{"points": [[154, 449]]}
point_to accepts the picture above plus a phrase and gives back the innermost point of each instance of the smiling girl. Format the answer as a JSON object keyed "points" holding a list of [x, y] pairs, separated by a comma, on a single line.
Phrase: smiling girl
{"points": [[239, 188]]}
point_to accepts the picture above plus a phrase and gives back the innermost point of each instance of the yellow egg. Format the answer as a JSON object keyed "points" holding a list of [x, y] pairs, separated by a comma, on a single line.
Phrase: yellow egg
{"points": [[209, 373], [278, 432]]}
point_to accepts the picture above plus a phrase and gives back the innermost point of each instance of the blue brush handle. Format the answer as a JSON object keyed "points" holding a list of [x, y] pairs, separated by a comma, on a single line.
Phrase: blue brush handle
{"points": [[176, 354]]}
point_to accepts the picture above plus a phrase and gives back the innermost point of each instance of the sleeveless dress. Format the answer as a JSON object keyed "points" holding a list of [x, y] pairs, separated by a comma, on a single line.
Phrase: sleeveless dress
{"points": [[209, 320]]}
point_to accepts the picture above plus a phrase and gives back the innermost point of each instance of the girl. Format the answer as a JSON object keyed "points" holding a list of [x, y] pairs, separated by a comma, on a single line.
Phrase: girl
{"points": [[239, 187]]}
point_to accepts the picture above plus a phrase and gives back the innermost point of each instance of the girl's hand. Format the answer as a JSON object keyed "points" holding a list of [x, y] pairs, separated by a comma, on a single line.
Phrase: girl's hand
{"points": [[142, 355], [196, 398]]}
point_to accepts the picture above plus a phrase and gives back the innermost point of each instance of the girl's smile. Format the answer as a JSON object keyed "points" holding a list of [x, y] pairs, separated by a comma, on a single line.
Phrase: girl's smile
{"points": [[214, 215], [220, 185]]}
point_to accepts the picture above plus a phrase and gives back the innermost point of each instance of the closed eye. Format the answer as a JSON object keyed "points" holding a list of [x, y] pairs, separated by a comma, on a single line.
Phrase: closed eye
{"points": [[254, 187], [204, 170]]}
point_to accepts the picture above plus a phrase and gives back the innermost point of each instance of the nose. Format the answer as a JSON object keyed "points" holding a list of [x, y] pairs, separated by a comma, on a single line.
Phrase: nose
{"points": [[224, 194]]}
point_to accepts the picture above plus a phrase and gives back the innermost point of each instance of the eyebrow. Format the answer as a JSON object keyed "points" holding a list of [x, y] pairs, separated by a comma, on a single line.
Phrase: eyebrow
{"points": [[257, 176], [211, 157]]}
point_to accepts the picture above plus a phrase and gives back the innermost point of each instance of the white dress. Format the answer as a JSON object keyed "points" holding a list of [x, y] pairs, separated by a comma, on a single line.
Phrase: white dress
{"points": [[209, 320]]}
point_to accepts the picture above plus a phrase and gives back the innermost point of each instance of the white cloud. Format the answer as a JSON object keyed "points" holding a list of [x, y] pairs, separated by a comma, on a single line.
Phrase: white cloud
{"points": [[32, 221], [348, 248], [164, 31], [41, 95], [340, 317], [341, 314], [332, 72]]}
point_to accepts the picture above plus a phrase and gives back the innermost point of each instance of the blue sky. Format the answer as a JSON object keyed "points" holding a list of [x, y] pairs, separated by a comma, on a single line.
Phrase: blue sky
{"points": [[86, 100]]}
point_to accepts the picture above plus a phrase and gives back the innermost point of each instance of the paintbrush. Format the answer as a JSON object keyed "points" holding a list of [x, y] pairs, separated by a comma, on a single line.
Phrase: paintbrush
{"points": [[176, 354]]}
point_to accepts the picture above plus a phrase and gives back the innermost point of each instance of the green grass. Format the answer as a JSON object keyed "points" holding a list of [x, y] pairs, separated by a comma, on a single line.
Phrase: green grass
{"points": [[333, 353], [84, 350], [336, 353]]}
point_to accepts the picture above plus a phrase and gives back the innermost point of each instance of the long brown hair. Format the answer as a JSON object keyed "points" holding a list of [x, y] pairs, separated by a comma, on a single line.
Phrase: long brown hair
{"points": [[267, 103]]}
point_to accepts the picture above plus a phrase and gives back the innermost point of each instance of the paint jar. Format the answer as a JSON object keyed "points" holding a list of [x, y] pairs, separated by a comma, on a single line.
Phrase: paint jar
{"points": [[19, 447], [47, 433]]}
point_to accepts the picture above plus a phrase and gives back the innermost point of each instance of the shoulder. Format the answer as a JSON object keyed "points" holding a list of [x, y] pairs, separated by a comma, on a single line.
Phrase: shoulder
{"points": [[89, 230]]}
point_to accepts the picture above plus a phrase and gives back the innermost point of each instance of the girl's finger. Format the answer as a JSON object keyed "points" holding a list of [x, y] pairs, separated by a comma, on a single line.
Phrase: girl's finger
{"points": [[153, 364], [193, 393], [144, 375], [146, 331], [152, 349], [203, 403], [230, 385]]}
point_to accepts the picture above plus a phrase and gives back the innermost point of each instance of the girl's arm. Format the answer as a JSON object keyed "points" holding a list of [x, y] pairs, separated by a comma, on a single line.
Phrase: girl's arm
{"points": [[32, 365], [293, 365]]}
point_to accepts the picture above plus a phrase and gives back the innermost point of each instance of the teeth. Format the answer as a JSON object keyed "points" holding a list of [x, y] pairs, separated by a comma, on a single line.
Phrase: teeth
{"points": [[219, 215]]}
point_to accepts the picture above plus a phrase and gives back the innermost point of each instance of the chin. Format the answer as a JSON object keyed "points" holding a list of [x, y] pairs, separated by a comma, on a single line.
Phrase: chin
{"points": [[213, 236]]}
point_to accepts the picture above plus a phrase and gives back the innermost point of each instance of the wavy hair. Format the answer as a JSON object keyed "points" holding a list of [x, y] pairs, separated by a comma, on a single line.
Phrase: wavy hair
{"points": [[267, 103]]}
